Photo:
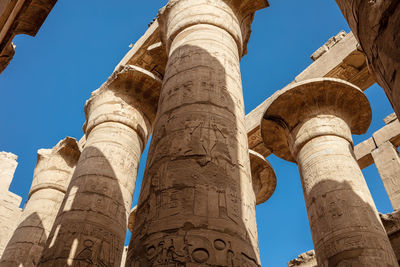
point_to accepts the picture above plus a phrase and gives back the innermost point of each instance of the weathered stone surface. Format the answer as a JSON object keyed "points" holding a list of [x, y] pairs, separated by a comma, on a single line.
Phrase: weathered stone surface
{"points": [[9, 202], [387, 161], [343, 61], [93, 218], [20, 17], [388, 133], [328, 45], [391, 222], [344, 222], [263, 176], [8, 165], [391, 118], [50, 181], [307, 259], [197, 204], [124, 254], [362, 152], [376, 26]]}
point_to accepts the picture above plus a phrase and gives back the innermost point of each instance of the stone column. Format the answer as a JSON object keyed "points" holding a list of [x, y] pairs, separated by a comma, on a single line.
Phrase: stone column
{"points": [[263, 176], [51, 178], [387, 161], [91, 225], [311, 123], [9, 202], [376, 25], [197, 204]]}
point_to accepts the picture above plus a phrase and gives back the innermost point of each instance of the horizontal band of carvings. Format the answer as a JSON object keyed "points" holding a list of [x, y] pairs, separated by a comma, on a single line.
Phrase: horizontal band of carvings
{"points": [[42, 186]]}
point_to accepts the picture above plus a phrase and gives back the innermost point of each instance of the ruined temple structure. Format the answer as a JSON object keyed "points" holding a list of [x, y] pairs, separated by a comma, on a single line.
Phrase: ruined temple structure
{"points": [[207, 166], [20, 17]]}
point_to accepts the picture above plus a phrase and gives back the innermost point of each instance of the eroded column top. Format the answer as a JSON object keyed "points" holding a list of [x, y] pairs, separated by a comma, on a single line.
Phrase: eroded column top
{"points": [[8, 164], [130, 96], [263, 176], [302, 101], [58, 160]]}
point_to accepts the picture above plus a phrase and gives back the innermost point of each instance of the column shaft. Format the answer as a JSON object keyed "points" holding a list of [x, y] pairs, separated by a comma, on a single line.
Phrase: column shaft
{"points": [[51, 178], [376, 24], [197, 204], [91, 225], [311, 123], [344, 222], [387, 161]]}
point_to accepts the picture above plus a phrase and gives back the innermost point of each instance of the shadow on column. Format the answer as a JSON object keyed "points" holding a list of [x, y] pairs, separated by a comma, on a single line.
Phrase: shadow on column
{"points": [[346, 229], [93, 194], [22, 245], [197, 204]]}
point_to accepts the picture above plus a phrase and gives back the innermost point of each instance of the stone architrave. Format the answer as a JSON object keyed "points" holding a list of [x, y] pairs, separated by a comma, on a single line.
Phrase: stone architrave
{"points": [[9, 202], [197, 204], [51, 178], [311, 123], [91, 225], [387, 161], [376, 25]]}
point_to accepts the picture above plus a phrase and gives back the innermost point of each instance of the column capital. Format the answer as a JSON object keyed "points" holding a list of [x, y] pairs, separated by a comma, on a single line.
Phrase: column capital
{"points": [[316, 107], [263, 176], [58, 160], [234, 16], [130, 97]]}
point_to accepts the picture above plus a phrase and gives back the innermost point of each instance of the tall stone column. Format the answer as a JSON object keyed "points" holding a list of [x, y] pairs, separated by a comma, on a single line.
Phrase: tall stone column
{"points": [[91, 225], [311, 123], [387, 161], [376, 24], [51, 178], [9, 202], [263, 176], [197, 205]]}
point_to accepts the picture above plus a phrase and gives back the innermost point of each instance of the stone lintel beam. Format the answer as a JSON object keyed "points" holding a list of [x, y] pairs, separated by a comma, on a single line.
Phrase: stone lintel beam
{"points": [[389, 133], [263, 176], [20, 17], [343, 61], [147, 53]]}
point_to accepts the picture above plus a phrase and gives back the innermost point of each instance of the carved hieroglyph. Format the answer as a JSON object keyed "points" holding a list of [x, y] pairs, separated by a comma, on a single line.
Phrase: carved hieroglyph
{"points": [[197, 205], [91, 225], [311, 123], [376, 24], [9, 202], [52, 175]]}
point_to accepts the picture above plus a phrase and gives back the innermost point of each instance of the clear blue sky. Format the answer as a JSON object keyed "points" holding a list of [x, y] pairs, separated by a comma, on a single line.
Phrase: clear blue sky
{"points": [[43, 91]]}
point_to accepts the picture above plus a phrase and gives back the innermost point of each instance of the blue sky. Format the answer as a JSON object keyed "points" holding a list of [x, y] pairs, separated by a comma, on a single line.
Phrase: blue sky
{"points": [[43, 91]]}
